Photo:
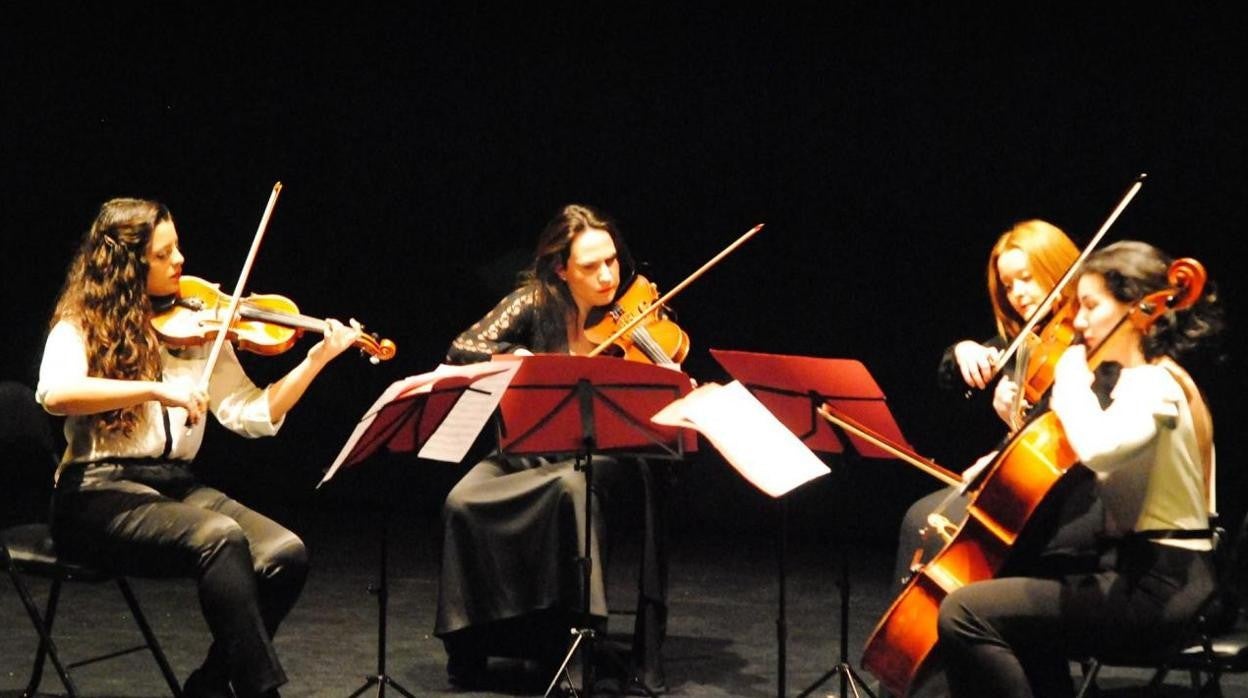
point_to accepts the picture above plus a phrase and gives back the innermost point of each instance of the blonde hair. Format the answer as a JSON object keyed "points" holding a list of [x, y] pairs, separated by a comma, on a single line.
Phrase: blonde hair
{"points": [[1050, 253]]}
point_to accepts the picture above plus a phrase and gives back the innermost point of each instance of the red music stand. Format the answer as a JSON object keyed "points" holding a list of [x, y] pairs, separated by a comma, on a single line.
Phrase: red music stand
{"points": [[581, 406], [402, 420], [543, 411], [793, 388], [408, 413]]}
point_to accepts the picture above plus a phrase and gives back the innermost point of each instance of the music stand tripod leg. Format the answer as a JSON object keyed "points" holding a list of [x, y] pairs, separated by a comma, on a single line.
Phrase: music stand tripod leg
{"points": [[849, 678], [586, 634], [382, 591], [782, 626]]}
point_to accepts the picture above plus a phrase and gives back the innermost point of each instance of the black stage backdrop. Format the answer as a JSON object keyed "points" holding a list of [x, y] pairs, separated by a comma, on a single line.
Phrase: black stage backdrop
{"points": [[422, 150]]}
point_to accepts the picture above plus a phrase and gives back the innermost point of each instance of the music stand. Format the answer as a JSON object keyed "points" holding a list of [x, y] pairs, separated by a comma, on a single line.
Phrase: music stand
{"points": [[402, 420], [793, 388], [561, 405]]}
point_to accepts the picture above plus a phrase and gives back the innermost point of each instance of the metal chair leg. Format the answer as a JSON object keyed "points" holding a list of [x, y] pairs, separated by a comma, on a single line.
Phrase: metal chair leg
{"points": [[46, 646], [1090, 670], [149, 637]]}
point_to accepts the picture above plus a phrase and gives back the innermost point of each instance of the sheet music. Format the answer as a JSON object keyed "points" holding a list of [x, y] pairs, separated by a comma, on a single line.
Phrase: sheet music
{"points": [[453, 438], [406, 387], [749, 437]]}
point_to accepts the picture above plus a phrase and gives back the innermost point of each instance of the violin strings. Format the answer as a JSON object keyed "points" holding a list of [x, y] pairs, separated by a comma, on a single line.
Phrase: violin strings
{"points": [[650, 347]]}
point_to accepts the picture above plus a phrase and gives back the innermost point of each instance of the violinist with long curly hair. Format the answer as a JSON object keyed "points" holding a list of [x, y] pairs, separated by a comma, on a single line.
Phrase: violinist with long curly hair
{"points": [[126, 498]]}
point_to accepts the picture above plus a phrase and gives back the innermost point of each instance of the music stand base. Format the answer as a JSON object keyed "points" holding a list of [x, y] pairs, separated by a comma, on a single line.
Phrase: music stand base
{"points": [[588, 637], [852, 680], [380, 681]]}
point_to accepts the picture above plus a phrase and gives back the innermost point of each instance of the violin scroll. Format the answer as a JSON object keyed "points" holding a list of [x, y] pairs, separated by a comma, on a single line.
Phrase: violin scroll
{"points": [[1187, 279], [375, 347]]}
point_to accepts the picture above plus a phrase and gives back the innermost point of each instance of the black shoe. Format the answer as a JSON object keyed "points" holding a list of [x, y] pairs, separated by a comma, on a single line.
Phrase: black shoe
{"points": [[466, 669], [654, 677], [200, 684]]}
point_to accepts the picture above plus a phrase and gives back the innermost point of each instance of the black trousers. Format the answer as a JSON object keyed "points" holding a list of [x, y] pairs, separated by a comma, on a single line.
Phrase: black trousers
{"points": [[1014, 636], [153, 519]]}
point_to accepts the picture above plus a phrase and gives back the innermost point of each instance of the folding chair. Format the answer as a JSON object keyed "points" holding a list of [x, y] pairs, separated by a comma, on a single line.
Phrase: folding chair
{"points": [[27, 461]]}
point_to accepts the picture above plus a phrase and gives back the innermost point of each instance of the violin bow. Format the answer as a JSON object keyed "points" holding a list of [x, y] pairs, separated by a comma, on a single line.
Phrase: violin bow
{"points": [[1042, 310], [236, 297], [884, 443], [628, 326]]}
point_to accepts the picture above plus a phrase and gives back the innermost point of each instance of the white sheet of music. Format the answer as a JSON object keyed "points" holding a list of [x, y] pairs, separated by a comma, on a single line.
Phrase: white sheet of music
{"points": [[451, 441], [749, 437], [405, 387]]}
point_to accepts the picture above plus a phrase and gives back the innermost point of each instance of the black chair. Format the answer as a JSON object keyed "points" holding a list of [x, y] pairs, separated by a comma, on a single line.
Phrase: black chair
{"points": [[1220, 645], [27, 461]]}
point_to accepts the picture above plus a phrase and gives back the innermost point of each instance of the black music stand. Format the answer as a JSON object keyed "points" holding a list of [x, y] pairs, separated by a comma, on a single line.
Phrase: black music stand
{"points": [[401, 421], [559, 405], [793, 388]]}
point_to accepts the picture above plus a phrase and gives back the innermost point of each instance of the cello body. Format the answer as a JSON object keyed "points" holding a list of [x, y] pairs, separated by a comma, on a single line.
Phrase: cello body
{"points": [[1003, 499]]}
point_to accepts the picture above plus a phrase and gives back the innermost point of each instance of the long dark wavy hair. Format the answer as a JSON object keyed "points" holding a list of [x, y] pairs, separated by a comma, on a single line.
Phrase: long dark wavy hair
{"points": [[1134, 269], [105, 296], [556, 309]]}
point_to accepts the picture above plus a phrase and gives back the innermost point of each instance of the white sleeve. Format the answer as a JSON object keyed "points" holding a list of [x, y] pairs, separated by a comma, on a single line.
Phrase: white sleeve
{"points": [[237, 403], [1105, 439], [64, 358]]}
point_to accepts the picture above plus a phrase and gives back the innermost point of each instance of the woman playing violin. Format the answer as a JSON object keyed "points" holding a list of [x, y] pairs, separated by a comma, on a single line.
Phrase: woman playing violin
{"points": [[514, 525], [1024, 265], [1151, 451], [126, 498]]}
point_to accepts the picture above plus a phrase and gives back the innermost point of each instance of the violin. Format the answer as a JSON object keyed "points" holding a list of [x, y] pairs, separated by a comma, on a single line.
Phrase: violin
{"points": [[641, 304], [1037, 357], [266, 324], [656, 339], [1004, 496], [1025, 335]]}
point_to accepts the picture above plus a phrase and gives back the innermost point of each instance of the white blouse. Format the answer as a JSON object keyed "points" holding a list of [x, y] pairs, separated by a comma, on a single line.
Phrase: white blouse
{"points": [[1143, 449], [235, 401]]}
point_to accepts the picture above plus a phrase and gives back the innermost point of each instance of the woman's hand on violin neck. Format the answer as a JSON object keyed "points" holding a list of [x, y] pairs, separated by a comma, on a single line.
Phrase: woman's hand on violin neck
{"points": [[195, 402], [287, 390], [975, 362], [338, 338], [1003, 400]]}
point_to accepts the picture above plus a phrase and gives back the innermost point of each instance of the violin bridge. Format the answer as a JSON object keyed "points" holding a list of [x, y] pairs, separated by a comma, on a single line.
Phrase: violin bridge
{"points": [[943, 527]]}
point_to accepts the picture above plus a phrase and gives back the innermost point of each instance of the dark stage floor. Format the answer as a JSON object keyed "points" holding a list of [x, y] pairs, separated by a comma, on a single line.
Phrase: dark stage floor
{"points": [[722, 639]]}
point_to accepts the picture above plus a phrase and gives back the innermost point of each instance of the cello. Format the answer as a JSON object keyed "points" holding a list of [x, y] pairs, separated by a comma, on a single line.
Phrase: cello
{"points": [[1004, 496]]}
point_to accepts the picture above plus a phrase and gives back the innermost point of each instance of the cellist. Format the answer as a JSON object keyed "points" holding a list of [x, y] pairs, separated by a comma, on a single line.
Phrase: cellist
{"points": [[1151, 451]]}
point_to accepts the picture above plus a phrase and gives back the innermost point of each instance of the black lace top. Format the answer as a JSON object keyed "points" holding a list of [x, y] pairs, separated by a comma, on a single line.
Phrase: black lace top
{"points": [[513, 324]]}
